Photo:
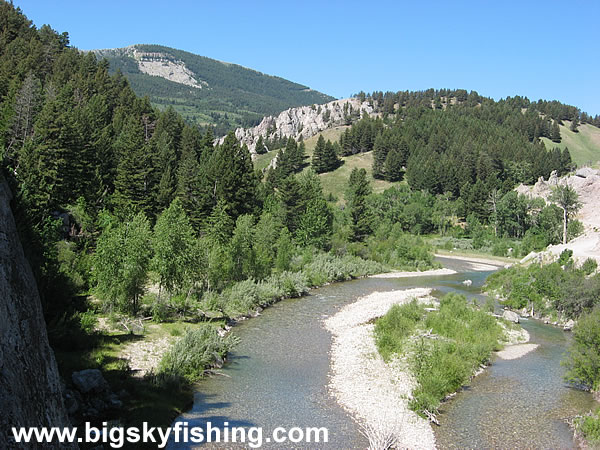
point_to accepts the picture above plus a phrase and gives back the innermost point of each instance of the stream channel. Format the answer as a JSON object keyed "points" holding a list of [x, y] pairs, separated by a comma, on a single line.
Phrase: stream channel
{"points": [[277, 377]]}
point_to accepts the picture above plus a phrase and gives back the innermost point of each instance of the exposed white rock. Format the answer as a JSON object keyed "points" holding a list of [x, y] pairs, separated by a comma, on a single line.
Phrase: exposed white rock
{"points": [[516, 351], [586, 182], [510, 316], [569, 325], [305, 121], [159, 64]]}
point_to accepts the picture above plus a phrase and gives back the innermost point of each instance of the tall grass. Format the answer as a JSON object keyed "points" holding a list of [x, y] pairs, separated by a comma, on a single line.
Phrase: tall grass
{"points": [[198, 350], [246, 296], [445, 347]]}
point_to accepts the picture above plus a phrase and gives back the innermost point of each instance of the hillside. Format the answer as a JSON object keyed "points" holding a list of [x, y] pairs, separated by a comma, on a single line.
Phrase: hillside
{"points": [[204, 90], [584, 145], [335, 182]]}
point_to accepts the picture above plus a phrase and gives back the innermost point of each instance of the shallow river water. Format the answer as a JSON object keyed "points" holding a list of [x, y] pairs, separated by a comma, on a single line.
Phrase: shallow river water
{"points": [[277, 377]]}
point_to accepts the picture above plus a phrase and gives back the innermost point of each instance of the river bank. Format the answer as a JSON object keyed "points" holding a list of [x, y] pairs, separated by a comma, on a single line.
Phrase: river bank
{"points": [[376, 393], [371, 390]]}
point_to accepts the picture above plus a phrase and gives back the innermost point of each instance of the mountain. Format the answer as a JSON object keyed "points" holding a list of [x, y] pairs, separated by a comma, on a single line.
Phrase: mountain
{"points": [[204, 90]]}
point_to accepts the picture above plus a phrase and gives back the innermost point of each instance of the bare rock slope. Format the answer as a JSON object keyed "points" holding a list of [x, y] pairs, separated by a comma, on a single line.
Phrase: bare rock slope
{"points": [[30, 389], [304, 121], [586, 182]]}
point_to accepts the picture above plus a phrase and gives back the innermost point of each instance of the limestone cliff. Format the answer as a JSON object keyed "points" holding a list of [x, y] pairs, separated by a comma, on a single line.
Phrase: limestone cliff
{"points": [[30, 389], [305, 121]]}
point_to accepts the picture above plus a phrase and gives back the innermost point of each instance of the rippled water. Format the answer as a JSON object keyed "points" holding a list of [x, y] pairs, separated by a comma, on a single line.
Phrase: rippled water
{"points": [[278, 374], [521, 403]]}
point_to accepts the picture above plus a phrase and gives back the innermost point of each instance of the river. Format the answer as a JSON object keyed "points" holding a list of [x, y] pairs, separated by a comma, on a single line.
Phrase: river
{"points": [[277, 377]]}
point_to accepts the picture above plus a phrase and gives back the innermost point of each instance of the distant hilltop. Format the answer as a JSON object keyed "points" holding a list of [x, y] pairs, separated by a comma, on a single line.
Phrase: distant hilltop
{"points": [[206, 91]]}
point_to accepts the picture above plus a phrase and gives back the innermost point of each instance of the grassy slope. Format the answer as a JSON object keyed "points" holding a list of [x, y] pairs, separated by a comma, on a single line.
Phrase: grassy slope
{"points": [[334, 182], [584, 145]]}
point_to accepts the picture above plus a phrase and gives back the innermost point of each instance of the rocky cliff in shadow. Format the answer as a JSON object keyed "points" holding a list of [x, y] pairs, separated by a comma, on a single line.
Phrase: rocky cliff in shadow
{"points": [[30, 389]]}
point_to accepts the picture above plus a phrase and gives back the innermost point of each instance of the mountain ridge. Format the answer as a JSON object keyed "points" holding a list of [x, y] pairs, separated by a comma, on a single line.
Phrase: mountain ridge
{"points": [[207, 91]]}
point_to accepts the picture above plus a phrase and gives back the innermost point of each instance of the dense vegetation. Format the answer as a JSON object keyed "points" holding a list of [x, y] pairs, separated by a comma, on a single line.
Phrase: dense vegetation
{"points": [[468, 149], [128, 212], [444, 347], [559, 288], [234, 95]]}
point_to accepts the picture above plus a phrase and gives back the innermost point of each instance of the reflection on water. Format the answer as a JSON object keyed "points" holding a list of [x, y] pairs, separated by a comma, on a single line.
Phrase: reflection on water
{"points": [[278, 374]]}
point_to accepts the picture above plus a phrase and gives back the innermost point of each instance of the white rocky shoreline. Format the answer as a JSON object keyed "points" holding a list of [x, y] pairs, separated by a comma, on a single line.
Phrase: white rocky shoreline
{"points": [[372, 391]]}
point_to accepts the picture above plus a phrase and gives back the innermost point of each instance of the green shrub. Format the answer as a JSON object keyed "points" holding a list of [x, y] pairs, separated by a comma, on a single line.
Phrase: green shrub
{"points": [[88, 321], [574, 228], [396, 326], [583, 361], [589, 266], [589, 426], [195, 352], [160, 312]]}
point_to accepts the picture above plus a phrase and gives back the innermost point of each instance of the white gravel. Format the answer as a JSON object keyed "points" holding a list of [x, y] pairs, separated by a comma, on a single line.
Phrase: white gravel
{"points": [[516, 351], [477, 263], [374, 392], [427, 273]]}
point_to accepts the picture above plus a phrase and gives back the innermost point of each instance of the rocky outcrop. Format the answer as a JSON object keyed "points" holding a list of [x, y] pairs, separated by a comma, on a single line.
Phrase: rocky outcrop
{"points": [[304, 121], [30, 388], [569, 325], [92, 397], [586, 182], [158, 64], [510, 316]]}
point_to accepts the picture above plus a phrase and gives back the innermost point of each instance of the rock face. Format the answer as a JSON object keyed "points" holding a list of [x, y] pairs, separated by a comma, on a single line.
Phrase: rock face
{"points": [[158, 64], [305, 121], [30, 389], [510, 316], [586, 182]]}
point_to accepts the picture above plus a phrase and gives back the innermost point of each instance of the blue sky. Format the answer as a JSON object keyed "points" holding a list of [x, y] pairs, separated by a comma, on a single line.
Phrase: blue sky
{"points": [[539, 49]]}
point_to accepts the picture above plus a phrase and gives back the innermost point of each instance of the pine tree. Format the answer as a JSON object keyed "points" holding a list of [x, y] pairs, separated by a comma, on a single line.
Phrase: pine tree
{"points": [[189, 187], [229, 176], [394, 165], [318, 163], [133, 180], [380, 152], [291, 196], [356, 198], [555, 132], [574, 124], [260, 146], [330, 157]]}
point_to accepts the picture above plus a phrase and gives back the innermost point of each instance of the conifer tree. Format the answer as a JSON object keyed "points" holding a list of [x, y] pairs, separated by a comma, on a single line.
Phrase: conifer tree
{"points": [[260, 146], [380, 152], [555, 132], [356, 198], [393, 165], [133, 183], [229, 176], [318, 163]]}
